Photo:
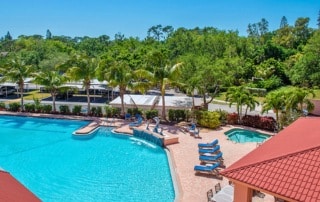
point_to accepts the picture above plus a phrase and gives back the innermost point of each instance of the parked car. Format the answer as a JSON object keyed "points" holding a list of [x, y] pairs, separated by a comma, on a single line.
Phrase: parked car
{"points": [[7, 90]]}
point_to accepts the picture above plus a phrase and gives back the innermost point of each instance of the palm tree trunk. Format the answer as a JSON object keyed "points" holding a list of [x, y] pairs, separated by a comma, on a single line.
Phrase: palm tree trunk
{"points": [[122, 91], [53, 95], [21, 95], [163, 107], [88, 97]]}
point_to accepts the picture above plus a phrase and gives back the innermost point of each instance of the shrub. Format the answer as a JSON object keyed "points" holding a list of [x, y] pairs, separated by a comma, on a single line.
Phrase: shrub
{"points": [[46, 108], [76, 109], [111, 111], [265, 123], [177, 115], [14, 106], [93, 111], [208, 119], [37, 105], [129, 111], [136, 111], [64, 109], [2, 105], [98, 111], [29, 107], [151, 113], [232, 118], [223, 116]]}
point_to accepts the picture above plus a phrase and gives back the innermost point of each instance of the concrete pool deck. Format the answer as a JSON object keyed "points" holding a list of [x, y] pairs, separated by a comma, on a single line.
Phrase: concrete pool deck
{"points": [[184, 154]]}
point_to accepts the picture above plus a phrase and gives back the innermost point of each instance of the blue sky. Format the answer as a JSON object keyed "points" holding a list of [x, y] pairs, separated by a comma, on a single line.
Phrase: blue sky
{"points": [[134, 17]]}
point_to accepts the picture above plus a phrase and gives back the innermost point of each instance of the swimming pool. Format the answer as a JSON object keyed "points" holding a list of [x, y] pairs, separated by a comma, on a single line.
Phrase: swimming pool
{"points": [[43, 156], [242, 135]]}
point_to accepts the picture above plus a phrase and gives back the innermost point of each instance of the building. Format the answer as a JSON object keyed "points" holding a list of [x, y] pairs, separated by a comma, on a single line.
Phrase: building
{"points": [[12, 190], [286, 166], [148, 102]]}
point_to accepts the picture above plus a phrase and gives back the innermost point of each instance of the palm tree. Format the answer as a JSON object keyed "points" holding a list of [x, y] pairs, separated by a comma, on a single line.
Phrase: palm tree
{"points": [[241, 96], [298, 97], [120, 74], [163, 74], [53, 81], [82, 67], [251, 103], [275, 100], [17, 70]]}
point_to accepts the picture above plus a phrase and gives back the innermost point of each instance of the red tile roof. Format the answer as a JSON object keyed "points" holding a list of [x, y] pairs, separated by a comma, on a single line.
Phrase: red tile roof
{"points": [[287, 164], [13, 191]]}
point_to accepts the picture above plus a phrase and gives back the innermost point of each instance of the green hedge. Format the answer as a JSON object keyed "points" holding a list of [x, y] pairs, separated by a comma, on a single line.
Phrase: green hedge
{"points": [[64, 109], [152, 113], [177, 115], [76, 109], [46, 108], [30, 107], [2, 105], [111, 111], [14, 106]]}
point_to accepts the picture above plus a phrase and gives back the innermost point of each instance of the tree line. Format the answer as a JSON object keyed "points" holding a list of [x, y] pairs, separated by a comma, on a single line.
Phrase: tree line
{"points": [[203, 60]]}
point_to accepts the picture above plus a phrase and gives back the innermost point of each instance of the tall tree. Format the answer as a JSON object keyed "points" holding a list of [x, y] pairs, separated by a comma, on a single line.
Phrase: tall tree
{"points": [[276, 101], [263, 26], [241, 96], [17, 70], [52, 81], [121, 75], [81, 67], [306, 71], [318, 20], [284, 22], [8, 36], [159, 33], [164, 74], [302, 31], [48, 34], [298, 99]]}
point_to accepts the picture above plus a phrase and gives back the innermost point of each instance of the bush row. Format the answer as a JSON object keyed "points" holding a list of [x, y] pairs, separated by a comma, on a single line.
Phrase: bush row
{"points": [[204, 118]]}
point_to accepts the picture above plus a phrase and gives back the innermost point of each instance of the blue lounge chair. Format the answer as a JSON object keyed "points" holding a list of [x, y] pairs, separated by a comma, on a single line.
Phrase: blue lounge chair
{"points": [[136, 123], [192, 127], [212, 169], [210, 145], [211, 151], [211, 159], [127, 116]]}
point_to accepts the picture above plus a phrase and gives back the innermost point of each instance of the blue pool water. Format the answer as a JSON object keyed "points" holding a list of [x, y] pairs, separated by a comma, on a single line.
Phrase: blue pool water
{"points": [[242, 135], [43, 156]]}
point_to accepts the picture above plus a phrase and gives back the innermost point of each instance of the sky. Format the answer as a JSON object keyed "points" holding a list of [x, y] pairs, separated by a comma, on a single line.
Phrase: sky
{"points": [[133, 18]]}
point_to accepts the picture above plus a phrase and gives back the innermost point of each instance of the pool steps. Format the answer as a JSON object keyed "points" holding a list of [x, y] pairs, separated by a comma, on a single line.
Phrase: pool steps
{"points": [[87, 132]]}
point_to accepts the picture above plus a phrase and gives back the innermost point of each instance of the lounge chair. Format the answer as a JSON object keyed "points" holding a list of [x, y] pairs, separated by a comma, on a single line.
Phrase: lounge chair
{"points": [[127, 116], [211, 159], [210, 145], [192, 127], [210, 151], [212, 169], [195, 133], [136, 123]]}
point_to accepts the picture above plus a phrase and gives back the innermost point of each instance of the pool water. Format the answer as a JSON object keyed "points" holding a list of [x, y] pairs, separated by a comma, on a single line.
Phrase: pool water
{"points": [[242, 136], [43, 156]]}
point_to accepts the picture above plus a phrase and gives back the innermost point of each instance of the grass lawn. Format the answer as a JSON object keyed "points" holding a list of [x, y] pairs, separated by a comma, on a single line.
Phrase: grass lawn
{"points": [[31, 95]]}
